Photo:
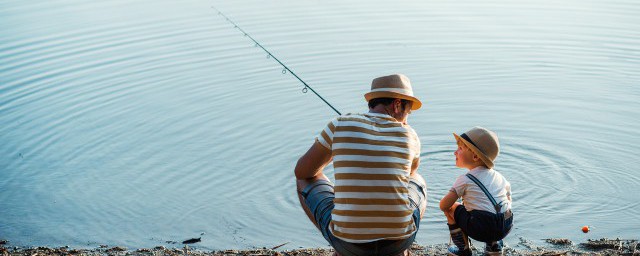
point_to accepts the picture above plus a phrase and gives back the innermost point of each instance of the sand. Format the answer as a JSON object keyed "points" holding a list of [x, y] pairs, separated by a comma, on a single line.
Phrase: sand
{"points": [[548, 247]]}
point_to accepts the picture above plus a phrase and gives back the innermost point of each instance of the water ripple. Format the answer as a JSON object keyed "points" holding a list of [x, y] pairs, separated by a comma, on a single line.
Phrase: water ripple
{"points": [[165, 122]]}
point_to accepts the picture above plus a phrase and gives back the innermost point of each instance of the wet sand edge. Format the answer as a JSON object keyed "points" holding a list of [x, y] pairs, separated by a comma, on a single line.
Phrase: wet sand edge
{"points": [[548, 247]]}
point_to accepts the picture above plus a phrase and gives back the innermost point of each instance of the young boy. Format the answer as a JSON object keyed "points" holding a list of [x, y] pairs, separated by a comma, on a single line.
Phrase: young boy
{"points": [[486, 213]]}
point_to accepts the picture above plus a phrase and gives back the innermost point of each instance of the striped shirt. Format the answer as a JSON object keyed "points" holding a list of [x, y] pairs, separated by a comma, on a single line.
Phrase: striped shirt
{"points": [[372, 157]]}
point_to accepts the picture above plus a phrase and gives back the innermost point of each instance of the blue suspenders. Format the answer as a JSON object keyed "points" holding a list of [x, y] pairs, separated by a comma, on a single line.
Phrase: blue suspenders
{"points": [[497, 206]]}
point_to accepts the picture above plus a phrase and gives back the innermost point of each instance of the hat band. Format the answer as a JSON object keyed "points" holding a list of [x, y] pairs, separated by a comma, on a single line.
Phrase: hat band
{"points": [[396, 90], [465, 137]]}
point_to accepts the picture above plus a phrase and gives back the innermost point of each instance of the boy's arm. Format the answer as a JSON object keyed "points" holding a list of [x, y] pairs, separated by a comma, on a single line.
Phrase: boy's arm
{"points": [[448, 200]]}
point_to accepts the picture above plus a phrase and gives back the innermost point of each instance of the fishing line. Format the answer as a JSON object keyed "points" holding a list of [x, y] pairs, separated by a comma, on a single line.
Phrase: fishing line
{"points": [[269, 55]]}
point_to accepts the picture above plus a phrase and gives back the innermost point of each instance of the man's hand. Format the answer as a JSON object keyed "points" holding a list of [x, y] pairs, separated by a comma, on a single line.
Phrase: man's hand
{"points": [[313, 162]]}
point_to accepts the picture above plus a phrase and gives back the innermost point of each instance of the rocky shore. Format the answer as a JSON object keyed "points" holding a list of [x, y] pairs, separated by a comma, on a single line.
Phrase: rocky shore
{"points": [[548, 247]]}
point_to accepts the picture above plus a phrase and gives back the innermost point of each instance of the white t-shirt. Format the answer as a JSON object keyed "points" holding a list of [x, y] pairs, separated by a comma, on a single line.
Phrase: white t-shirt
{"points": [[474, 198]]}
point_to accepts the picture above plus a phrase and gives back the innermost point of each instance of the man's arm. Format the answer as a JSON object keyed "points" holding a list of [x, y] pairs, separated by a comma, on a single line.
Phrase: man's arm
{"points": [[414, 165], [313, 162]]}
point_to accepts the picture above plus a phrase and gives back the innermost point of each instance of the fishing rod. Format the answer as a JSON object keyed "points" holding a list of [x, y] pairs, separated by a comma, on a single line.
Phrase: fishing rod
{"points": [[306, 86]]}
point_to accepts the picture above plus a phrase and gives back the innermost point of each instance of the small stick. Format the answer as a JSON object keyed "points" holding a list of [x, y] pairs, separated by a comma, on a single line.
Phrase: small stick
{"points": [[276, 247]]}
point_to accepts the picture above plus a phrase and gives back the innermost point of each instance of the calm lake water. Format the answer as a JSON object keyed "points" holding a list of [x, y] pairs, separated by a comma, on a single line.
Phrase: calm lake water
{"points": [[134, 123]]}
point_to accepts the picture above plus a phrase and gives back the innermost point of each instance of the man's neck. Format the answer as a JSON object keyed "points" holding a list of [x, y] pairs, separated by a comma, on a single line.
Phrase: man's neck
{"points": [[379, 109]]}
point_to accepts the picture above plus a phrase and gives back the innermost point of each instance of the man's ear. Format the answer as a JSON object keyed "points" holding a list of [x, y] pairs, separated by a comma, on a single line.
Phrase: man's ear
{"points": [[397, 103]]}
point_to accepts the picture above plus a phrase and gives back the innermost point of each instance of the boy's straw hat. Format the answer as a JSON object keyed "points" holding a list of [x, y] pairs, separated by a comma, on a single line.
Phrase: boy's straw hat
{"points": [[393, 86], [482, 142]]}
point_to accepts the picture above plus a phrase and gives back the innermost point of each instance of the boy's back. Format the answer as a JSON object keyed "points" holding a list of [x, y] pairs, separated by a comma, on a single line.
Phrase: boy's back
{"points": [[474, 198]]}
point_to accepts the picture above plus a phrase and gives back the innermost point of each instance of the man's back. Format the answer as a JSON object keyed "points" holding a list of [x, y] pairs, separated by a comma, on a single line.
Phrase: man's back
{"points": [[372, 157]]}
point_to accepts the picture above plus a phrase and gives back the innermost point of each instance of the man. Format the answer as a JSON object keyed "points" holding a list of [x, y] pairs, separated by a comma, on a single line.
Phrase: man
{"points": [[379, 198]]}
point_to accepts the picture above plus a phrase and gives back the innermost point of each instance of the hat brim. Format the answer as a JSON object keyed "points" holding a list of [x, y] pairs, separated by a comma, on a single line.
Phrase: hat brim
{"points": [[475, 150], [417, 104]]}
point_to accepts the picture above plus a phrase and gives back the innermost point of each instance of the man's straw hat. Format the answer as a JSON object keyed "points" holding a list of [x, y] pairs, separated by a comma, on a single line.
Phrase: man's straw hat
{"points": [[482, 142], [393, 86]]}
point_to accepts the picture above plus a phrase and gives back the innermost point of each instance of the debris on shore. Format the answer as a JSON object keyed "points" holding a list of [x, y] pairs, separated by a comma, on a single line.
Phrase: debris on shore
{"points": [[192, 240], [278, 246], [598, 247], [558, 241], [625, 247]]}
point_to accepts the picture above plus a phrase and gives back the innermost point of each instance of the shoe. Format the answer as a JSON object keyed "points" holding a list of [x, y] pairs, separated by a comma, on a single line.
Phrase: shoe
{"points": [[461, 244], [459, 239], [493, 249], [455, 251]]}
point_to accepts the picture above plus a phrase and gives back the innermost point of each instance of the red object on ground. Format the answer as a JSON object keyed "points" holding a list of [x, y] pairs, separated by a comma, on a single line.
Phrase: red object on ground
{"points": [[585, 229]]}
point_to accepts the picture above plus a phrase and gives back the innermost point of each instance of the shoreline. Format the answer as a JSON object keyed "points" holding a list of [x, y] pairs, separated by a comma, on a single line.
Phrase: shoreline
{"points": [[552, 246]]}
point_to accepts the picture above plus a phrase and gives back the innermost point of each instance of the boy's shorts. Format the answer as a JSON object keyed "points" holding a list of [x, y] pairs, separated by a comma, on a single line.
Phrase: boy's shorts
{"points": [[319, 198], [482, 225]]}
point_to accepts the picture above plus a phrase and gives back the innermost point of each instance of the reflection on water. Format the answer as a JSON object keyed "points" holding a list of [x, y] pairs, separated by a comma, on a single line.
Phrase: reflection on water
{"points": [[138, 123]]}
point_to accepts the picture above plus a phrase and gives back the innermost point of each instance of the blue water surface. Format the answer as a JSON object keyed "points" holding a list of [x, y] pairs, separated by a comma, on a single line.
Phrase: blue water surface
{"points": [[134, 123]]}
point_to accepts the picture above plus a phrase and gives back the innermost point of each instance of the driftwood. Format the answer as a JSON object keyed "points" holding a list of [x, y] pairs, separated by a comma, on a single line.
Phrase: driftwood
{"points": [[613, 246], [603, 244], [192, 241]]}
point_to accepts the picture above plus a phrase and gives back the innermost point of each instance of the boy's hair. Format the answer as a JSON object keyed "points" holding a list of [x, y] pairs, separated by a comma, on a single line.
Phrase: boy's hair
{"points": [[462, 145], [385, 101]]}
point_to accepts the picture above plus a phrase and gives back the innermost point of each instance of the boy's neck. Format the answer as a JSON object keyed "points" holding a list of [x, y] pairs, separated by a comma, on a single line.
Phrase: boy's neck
{"points": [[476, 166]]}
